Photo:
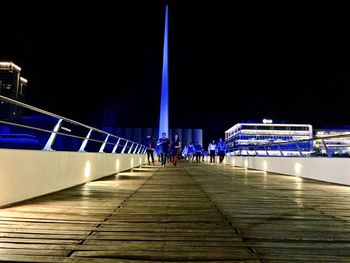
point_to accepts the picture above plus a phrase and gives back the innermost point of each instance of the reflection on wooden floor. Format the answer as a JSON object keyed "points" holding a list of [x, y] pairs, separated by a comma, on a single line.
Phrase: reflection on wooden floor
{"points": [[194, 212]]}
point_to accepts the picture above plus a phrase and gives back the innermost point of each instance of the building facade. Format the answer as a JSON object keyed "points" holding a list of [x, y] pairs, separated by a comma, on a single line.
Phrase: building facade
{"points": [[337, 146], [13, 86], [269, 139]]}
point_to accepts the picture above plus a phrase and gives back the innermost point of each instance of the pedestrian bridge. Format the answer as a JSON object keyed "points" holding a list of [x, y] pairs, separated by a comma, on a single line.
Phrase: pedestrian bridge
{"points": [[194, 212], [97, 201]]}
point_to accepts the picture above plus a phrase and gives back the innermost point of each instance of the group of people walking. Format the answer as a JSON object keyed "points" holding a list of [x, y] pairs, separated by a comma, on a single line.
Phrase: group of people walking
{"points": [[192, 151], [170, 150], [217, 149], [164, 148]]}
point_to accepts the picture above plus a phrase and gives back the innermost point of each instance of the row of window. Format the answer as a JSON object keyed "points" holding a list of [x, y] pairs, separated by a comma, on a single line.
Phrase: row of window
{"points": [[269, 128]]}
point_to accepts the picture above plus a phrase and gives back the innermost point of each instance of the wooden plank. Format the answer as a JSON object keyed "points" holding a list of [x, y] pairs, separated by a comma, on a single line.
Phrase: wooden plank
{"points": [[191, 213], [38, 252]]}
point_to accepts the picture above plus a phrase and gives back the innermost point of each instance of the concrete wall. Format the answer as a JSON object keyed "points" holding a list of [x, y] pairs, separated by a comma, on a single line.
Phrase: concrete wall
{"points": [[25, 174], [334, 170]]}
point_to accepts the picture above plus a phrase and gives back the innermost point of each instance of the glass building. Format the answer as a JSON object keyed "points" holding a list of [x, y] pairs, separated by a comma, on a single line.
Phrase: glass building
{"points": [[269, 139], [338, 146]]}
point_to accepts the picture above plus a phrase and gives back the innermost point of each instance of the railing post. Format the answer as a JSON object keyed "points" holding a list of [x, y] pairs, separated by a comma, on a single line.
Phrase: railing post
{"points": [[51, 140], [135, 149], [103, 144], [126, 143], [138, 152], [329, 154], [144, 150], [116, 146], [82, 147], [267, 152], [279, 147], [131, 148], [299, 149]]}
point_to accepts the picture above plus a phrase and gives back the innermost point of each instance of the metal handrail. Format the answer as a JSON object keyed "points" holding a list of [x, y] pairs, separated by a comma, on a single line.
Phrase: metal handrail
{"points": [[49, 131], [60, 118], [27, 106]]}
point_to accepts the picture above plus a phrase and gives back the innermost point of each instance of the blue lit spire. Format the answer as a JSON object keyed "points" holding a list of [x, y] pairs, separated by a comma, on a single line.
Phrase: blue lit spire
{"points": [[164, 100]]}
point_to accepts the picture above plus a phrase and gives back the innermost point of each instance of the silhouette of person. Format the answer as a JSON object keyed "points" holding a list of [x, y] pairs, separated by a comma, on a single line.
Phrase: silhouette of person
{"points": [[190, 151], [221, 149], [163, 143], [211, 150], [198, 150], [150, 144], [176, 148]]}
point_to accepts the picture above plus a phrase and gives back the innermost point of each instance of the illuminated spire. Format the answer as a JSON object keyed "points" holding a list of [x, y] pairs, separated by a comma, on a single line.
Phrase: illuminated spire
{"points": [[164, 100]]}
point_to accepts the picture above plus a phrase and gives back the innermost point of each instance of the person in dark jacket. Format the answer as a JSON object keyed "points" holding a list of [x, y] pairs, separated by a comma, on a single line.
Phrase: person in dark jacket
{"points": [[221, 149], [175, 149], [163, 148], [150, 144]]}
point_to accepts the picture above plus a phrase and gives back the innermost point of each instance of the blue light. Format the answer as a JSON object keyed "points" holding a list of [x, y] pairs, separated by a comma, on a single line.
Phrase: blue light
{"points": [[164, 101]]}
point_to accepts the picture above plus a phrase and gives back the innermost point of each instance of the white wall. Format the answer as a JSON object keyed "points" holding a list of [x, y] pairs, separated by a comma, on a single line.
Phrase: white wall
{"points": [[334, 170], [25, 174]]}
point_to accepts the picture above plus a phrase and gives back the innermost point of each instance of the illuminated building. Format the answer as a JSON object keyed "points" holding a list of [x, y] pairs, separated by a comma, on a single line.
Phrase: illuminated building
{"points": [[13, 86], [245, 138], [335, 146]]}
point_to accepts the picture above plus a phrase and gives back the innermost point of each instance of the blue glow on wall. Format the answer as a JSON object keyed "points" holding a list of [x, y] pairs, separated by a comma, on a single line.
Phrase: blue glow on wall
{"points": [[164, 101]]}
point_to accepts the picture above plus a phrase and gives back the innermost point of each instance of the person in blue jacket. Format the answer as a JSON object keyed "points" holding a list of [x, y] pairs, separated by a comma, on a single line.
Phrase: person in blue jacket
{"points": [[198, 150], [221, 150]]}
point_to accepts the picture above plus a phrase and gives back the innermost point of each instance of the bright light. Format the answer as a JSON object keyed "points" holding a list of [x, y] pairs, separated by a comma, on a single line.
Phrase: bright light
{"points": [[265, 166], [246, 163], [233, 162], [87, 169], [297, 168], [23, 80], [117, 165], [9, 65], [132, 163], [164, 101], [269, 121]]}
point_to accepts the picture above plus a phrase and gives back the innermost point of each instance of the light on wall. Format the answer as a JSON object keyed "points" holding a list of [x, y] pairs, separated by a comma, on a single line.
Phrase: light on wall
{"points": [[297, 168], [117, 165], [87, 169], [265, 166], [246, 163]]}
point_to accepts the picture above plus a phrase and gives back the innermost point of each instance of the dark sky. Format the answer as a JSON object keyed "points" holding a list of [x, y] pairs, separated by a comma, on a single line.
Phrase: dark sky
{"points": [[229, 61]]}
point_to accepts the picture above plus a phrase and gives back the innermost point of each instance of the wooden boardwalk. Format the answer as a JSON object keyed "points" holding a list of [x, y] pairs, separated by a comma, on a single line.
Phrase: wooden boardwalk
{"points": [[192, 213]]}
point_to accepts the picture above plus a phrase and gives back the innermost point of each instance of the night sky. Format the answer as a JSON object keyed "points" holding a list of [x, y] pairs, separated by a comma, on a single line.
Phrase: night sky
{"points": [[285, 60]]}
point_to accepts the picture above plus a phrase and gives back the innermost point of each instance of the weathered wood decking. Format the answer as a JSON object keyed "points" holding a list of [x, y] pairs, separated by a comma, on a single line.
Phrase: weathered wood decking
{"points": [[194, 212]]}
